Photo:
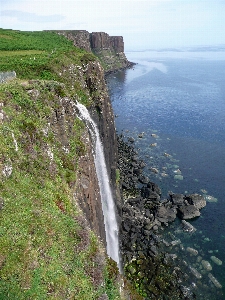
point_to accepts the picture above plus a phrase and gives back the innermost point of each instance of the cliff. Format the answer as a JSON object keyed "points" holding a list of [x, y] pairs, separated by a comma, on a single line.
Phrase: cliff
{"points": [[109, 49], [52, 235]]}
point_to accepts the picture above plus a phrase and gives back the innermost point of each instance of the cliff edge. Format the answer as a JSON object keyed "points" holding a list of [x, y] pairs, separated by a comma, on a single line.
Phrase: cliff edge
{"points": [[52, 241], [109, 49]]}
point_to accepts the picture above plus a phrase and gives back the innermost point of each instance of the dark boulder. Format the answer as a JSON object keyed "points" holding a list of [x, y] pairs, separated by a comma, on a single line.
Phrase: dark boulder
{"points": [[143, 179], [177, 199], [131, 139], [186, 212], [149, 194], [166, 214], [154, 187]]}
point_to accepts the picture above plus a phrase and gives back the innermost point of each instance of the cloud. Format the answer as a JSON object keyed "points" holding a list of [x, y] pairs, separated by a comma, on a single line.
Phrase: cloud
{"points": [[31, 17], [152, 22]]}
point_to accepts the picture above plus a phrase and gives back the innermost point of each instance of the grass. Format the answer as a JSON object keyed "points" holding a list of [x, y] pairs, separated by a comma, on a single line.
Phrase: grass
{"points": [[40, 231], [35, 55], [46, 250], [20, 53]]}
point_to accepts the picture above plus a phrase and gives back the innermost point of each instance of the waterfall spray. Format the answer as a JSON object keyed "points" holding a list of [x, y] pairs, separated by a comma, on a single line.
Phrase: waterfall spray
{"points": [[108, 206]]}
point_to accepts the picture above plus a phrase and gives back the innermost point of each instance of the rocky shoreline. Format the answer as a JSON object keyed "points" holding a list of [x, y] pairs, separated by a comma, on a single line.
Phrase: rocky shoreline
{"points": [[148, 259]]}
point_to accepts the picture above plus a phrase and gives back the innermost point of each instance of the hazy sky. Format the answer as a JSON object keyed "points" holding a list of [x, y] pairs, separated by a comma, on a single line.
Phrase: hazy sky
{"points": [[143, 23]]}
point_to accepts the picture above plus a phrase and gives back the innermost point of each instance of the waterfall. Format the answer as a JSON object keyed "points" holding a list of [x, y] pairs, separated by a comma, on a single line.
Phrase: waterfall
{"points": [[108, 206]]}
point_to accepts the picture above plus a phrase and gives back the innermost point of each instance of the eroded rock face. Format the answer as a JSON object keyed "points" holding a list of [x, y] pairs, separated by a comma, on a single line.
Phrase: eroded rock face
{"points": [[101, 40], [109, 49], [87, 191], [86, 188], [102, 114], [80, 38]]}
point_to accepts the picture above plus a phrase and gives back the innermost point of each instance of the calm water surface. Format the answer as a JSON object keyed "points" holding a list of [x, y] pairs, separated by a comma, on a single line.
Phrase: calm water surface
{"points": [[177, 100]]}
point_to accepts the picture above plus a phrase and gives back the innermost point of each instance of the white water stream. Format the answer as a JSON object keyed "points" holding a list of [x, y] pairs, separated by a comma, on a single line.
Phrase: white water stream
{"points": [[108, 206]]}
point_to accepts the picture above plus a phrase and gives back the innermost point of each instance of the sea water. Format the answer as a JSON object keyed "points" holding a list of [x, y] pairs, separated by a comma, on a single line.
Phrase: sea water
{"points": [[173, 104]]}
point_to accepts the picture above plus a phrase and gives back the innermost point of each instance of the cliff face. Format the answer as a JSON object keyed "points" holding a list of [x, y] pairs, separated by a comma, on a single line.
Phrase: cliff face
{"points": [[87, 188], [102, 41], [50, 204], [80, 38], [109, 49]]}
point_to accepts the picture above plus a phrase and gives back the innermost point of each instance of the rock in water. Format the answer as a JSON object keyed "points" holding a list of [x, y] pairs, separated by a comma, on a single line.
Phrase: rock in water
{"points": [[215, 281], [192, 251], [209, 198], [196, 200], [195, 272], [188, 227], [206, 265], [216, 260], [177, 199], [188, 212], [166, 214], [178, 177]]}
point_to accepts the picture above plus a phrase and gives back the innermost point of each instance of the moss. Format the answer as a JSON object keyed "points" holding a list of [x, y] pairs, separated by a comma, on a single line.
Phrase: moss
{"points": [[153, 277], [117, 176]]}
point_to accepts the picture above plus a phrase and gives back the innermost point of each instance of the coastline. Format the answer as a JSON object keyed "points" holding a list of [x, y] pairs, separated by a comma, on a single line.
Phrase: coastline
{"points": [[149, 259]]}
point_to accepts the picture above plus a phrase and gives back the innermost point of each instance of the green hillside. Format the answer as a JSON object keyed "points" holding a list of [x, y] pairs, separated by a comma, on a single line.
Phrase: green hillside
{"points": [[35, 55]]}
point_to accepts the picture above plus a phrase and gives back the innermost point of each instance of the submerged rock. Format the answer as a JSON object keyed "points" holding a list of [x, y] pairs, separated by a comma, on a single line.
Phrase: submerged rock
{"points": [[192, 251], [178, 177], [215, 281], [131, 139], [206, 265], [188, 227], [141, 135], [216, 260], [209, 198], [195, 272]]}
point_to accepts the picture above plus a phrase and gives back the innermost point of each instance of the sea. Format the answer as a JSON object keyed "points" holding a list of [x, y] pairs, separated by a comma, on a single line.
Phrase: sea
{"points": [[172, 103]]}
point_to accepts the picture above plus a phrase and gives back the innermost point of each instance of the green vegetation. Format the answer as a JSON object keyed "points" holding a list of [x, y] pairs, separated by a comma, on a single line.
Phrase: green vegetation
{"points": [[153, 276], [38, 55], [110, 60], [46, 250], [117, 176]]}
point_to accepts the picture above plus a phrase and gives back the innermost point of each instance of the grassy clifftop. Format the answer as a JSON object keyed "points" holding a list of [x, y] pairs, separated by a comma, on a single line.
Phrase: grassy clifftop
{"points": [[47, 250]]}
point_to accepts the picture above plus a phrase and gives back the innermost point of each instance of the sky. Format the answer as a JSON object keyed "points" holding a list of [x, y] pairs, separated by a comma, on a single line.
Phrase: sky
{"points": [[144, 24]]}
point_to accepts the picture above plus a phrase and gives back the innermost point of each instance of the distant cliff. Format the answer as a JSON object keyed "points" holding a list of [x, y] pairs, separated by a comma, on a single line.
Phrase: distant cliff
{"points": [[109, 49]]}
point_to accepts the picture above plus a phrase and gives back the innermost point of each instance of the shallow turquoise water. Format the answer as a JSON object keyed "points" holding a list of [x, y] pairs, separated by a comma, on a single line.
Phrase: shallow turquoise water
{"points": [[178, 101]]}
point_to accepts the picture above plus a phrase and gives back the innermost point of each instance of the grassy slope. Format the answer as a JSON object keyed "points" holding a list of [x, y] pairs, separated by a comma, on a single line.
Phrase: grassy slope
{"points": [[46, 251]]}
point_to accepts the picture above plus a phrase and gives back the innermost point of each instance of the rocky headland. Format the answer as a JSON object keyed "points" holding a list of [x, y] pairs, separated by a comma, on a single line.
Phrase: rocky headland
{"points": [[109, 49]]}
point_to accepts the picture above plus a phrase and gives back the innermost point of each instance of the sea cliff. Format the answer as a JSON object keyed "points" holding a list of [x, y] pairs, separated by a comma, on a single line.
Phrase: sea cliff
{"points": [[52, 228], [109, 49]]}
